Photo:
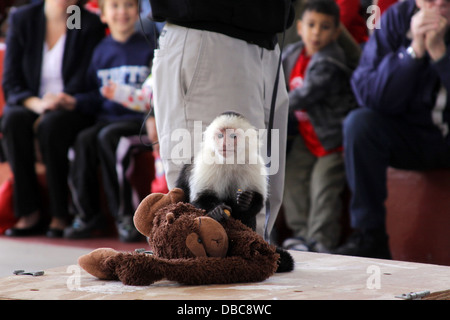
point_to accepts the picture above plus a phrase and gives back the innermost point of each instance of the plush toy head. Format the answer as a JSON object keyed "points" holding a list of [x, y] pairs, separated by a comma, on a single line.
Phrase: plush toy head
{"points": [[179, 230]]}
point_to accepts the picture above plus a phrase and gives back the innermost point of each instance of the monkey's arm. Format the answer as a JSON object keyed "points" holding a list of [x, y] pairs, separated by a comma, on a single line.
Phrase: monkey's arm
{"points": [[183, 181], [207, 200], [215, 207], [248, 204]]}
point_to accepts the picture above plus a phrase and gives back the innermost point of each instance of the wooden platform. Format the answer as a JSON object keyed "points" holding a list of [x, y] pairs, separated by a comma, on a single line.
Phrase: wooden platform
{"points": [[316, 276]]}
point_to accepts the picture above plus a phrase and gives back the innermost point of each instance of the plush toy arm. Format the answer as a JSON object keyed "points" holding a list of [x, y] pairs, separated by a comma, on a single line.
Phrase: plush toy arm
{"points": [[206, 270], [142, 269], [137, 269]]}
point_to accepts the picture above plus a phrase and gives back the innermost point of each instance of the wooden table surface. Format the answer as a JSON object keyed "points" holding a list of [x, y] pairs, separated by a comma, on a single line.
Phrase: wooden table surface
{"points": [[316, 276]]}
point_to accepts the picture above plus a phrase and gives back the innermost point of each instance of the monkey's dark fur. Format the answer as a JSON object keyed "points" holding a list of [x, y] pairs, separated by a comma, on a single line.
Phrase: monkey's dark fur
{"points": [[244, 206]]}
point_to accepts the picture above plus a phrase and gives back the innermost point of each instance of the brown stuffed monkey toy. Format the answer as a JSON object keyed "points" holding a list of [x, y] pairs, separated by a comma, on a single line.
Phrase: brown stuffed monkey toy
{"points": [[188, 247]]}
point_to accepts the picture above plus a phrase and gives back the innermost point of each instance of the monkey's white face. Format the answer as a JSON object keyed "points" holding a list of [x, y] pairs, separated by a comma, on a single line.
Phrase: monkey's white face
{"points": [[230, 140], [225, 141]]}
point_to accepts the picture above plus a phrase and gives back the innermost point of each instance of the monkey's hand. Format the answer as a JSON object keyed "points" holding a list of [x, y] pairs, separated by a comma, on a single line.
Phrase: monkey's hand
{"points": [[220, 213], [244, 199]]}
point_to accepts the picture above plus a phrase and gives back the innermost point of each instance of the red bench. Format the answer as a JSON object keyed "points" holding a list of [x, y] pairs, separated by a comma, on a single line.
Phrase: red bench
{"points": [[418, 215], [417, 219]]}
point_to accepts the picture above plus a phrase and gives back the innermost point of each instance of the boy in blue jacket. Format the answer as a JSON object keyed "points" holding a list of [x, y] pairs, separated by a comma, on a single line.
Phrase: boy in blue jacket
{"points": [[124, 57], [402, 83]]}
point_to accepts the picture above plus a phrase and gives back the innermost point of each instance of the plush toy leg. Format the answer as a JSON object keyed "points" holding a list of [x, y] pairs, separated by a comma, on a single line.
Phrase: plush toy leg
{"points": [[94, 263]]}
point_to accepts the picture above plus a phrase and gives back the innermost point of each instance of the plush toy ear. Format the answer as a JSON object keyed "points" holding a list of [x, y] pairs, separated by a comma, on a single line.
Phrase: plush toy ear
{"points": [[170, 218], [143, 217], [145, 213]]}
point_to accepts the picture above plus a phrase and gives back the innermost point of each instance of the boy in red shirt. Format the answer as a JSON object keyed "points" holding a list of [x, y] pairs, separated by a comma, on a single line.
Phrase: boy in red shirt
{"points": [[320, 96]]}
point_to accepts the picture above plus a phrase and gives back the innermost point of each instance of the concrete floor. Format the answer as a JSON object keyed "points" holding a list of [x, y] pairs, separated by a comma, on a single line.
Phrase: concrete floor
{"points": [[40, 253], [15, 255]]}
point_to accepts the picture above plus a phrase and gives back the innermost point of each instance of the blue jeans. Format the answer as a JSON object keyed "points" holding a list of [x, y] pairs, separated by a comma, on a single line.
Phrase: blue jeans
{"points": [[372, 143]]}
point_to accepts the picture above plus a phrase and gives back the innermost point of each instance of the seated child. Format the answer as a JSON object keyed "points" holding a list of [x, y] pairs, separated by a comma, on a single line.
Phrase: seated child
{"points": [[123, 57]]}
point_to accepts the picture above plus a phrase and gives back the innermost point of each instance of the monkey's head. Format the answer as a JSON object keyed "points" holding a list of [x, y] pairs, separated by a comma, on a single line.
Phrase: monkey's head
{"points": [[230, 135]]}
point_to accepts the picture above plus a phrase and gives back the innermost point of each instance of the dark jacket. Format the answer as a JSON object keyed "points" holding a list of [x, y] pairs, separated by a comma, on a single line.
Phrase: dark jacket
{"points": [[326, 93], [23, 59], [390, 81], [256, 22]]}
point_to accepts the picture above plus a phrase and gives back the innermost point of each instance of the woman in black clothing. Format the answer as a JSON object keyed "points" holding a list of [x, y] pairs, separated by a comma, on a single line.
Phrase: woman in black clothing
{"points": [[45, 56]]}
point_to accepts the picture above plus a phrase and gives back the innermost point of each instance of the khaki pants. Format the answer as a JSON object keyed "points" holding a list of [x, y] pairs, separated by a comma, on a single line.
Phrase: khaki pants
{"points": [[200, 74], [313, 194]]}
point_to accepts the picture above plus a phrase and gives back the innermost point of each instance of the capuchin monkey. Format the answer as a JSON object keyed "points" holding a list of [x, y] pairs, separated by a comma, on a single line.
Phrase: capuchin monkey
{"points": [[227, 176]]}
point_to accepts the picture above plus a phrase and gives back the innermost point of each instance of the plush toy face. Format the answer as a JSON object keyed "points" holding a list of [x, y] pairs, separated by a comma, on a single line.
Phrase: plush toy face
{"points": [[210, 241], [181, 231]]}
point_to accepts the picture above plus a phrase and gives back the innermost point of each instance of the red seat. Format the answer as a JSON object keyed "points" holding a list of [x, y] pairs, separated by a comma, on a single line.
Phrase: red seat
{"points": [[418, 215]]}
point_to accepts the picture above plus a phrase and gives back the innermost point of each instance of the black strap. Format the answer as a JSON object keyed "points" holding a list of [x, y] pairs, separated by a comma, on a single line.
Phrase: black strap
{"points": [[274, 93], [273, 102]]}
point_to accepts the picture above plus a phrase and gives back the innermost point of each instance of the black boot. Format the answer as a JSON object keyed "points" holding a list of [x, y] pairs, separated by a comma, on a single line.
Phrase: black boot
{"points": [[372, 243]]}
